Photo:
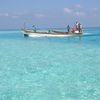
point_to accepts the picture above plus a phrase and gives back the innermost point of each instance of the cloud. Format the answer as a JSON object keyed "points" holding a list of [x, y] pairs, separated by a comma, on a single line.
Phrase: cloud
{"points": [[4, 14], [15, 16], [80, 13], [18, 15], [78, 6], [68, 10], [95, 9], [9, 15], [39, 15], [74, 12]]}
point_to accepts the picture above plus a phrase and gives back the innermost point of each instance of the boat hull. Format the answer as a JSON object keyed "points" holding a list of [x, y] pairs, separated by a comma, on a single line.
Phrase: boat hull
{"points": [[31, 33]]}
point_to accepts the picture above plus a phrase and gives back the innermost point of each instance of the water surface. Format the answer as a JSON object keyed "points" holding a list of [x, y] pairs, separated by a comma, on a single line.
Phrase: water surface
{"points": [[49, 68]]}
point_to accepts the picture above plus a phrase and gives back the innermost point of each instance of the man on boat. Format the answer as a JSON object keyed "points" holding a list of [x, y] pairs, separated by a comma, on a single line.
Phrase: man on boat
{"points": [[68, 28], [81, 28], [77, 26], [34, 28]]}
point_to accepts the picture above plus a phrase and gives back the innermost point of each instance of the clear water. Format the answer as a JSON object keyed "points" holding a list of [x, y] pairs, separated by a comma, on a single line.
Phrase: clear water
{"points": [[49, 68]]}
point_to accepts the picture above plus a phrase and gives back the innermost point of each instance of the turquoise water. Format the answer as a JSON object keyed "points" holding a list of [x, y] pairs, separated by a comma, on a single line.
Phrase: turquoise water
{"points": [[49, 68]]}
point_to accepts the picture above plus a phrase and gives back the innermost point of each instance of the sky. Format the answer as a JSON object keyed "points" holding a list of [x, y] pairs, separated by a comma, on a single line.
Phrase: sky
{"points": [[15, 14]]}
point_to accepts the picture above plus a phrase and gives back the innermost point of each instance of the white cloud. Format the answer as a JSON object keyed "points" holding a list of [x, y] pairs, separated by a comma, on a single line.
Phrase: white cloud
{"points": [[80, 13], [9, 15], [15, 16], [68, 10], [74, 12], [39, 15], [78, 6], [4, 14], [95, 9]]}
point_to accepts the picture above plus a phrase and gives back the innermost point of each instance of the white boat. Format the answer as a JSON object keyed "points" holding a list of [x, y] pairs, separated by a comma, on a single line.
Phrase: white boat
{"points": [[31, 33], [45, 35]]}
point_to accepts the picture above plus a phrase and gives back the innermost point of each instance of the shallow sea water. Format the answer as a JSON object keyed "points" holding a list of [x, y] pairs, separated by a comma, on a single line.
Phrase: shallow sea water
{"points": [[49, 68]]}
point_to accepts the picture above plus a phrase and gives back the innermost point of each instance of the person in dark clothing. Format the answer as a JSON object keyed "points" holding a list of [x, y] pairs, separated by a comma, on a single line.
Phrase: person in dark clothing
{"points": [[79, 28], [68, 28]]}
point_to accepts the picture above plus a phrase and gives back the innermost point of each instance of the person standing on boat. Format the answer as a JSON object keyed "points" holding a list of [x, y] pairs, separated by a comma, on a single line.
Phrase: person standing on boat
{"points": [[81, 28], [68, 28], [34, 28], [77, 26]]}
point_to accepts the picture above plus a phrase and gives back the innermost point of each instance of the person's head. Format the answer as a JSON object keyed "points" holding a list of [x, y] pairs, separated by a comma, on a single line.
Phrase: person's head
{"points": [[68, 26]]}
